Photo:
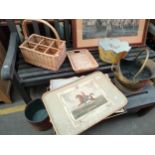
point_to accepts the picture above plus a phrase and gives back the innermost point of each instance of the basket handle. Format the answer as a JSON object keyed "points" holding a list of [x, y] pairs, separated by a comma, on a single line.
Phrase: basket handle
{"points": [[144, 63], [24, 27]]}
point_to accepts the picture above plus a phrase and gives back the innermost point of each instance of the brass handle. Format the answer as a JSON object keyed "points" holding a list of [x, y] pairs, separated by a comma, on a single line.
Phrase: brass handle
{"points": [[144, 63]]}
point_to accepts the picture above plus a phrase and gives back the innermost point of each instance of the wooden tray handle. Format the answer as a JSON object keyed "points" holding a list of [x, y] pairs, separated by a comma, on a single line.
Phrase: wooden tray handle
{"points": [[24, 27]]}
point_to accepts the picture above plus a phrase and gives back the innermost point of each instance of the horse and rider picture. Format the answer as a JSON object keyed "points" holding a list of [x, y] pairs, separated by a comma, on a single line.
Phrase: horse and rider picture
{"points": [[88, 103], [83, 99], [99, 28]]}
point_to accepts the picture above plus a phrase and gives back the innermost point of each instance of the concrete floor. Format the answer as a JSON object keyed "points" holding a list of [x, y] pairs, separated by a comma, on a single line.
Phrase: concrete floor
{"points": [[16, 124]]}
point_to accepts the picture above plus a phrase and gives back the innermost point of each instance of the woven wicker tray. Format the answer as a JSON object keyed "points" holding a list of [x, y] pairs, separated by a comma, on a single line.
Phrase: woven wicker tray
{"points": [[82, 60]]}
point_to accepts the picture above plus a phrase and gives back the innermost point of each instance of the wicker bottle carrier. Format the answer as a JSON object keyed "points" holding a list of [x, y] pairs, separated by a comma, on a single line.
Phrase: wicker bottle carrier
{"points": [[42, 51]]}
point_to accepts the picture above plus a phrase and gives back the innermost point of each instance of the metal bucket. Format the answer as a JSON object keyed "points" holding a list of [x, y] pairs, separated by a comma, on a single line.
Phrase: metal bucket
{"points": [[36, 115], [110, 56], [134, 74]]}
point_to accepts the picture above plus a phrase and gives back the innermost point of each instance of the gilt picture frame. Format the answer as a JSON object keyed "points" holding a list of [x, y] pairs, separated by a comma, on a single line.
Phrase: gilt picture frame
{"points": [[88, 32]]}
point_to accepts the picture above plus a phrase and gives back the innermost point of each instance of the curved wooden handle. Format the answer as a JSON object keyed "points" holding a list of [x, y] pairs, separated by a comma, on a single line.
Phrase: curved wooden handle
{"points": [[24, 27]]}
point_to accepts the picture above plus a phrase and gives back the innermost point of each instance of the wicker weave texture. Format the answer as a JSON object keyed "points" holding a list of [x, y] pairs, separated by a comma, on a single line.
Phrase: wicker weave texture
{"points": [[42, 51]]}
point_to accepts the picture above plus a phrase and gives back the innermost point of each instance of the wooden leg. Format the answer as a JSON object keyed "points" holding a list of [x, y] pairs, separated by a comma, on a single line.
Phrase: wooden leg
{"points": [[4, 98], [22, 91], [5, 91]]}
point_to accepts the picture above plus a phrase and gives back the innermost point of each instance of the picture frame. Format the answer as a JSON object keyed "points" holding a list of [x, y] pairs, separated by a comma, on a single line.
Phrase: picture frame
{"points": [[83, 103], [88, 32]]}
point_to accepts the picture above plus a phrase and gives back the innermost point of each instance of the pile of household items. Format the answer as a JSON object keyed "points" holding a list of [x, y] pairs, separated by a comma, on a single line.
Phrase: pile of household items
{"points": [[77, 103]]}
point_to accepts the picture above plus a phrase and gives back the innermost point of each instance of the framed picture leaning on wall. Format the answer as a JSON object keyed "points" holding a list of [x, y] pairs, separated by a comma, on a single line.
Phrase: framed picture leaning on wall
{"points": [[88, 32]]}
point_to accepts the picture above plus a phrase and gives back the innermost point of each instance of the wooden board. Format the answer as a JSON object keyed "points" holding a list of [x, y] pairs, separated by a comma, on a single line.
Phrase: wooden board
{"points": [[4, 85], [2, 54], [82, 60]]}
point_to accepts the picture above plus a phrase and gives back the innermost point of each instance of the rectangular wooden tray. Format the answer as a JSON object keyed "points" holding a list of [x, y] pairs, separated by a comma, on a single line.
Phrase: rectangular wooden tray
{"points": [[82, 60]]}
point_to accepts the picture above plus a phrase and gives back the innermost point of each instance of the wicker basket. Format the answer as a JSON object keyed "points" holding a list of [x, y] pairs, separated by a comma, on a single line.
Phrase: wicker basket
{"points": [[43, 51]]}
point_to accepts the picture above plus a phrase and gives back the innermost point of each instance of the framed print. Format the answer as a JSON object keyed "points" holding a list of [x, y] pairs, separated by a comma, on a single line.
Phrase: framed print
{"points": [[88, 32], [81, 104]]}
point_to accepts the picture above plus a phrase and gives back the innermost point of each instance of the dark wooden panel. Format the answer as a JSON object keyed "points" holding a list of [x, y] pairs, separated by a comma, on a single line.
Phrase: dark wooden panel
{"points": [[36, 27], [32, 75], [67, 33], [4, 36], [57, 27], [141, 100], [47, 31]]}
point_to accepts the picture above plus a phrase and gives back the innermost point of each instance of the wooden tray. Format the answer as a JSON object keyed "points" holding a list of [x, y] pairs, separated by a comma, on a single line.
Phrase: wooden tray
{"points": [[82, 60]]}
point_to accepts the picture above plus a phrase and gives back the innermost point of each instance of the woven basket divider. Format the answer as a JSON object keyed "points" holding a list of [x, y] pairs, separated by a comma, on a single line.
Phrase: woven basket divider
{"points": [[51, 60]]}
